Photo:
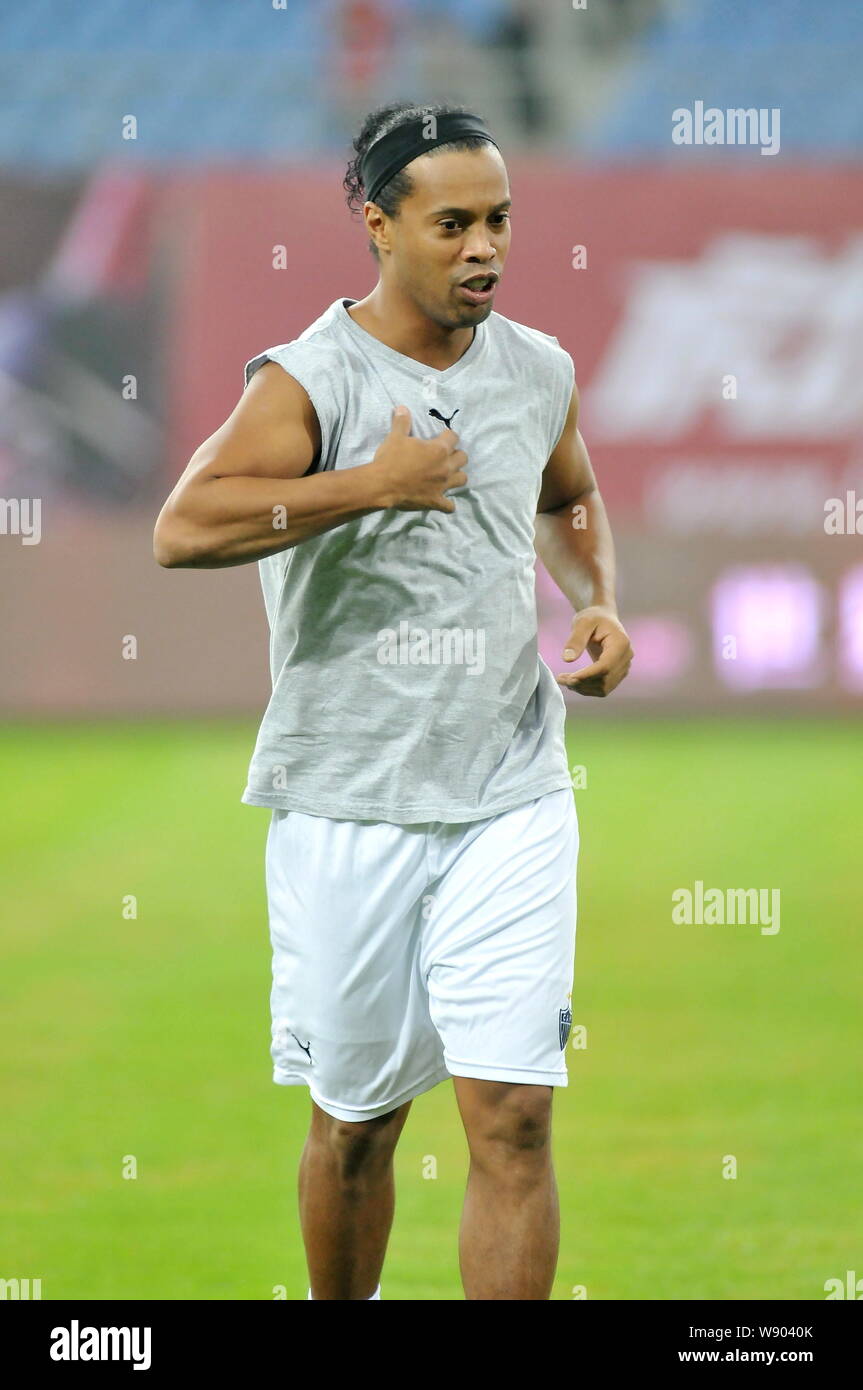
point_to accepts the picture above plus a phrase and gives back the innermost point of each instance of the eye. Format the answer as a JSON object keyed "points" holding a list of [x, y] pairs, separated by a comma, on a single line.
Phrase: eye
{"points": [[451, 224]]}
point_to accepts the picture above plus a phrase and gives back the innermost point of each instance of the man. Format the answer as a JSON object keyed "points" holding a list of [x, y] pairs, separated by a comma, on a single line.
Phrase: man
{"points": [[391, 470]]}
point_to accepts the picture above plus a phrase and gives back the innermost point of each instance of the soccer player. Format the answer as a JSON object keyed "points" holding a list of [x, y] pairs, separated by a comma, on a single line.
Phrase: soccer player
{"points": [[395, 470]]}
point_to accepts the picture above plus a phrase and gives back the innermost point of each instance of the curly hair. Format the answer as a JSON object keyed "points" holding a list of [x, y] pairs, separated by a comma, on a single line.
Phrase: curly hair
{"points": [[379, 122]]}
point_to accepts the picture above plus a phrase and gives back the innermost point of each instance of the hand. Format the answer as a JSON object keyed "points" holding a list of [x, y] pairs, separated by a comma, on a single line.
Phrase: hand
{"points": [[600, 631], [415, 473]]}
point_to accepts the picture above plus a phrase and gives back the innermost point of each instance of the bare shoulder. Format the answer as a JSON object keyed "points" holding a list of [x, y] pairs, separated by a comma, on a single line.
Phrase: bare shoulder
{"points": [[275, 401], [272, 432]]}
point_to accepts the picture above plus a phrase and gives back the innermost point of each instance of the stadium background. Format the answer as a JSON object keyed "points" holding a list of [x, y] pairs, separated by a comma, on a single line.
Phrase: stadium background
{"points": [[153, 162]]}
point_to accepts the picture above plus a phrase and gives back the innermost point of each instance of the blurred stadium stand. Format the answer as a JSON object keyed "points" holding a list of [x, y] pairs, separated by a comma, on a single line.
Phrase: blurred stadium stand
{"points": [[203, 82], [603, 79], [805, 59]]}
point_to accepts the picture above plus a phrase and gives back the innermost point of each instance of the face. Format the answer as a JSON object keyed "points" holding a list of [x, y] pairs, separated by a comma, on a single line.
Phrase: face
{"points": [[453, 226]]}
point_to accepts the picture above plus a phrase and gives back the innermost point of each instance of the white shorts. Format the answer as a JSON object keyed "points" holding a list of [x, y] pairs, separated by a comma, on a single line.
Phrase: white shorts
{"points": [[404, 954]]}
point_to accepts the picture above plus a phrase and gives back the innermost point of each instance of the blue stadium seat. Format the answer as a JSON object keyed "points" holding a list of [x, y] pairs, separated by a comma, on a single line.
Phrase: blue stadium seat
{"points": [[803, 58]]}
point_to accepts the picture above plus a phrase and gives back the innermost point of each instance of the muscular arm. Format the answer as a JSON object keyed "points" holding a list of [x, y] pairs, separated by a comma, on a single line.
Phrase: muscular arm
{"points": [[243, 494], [573, 539]]}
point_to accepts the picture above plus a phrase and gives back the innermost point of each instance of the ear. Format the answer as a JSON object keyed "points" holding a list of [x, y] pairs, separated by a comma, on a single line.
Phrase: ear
{"points": [[376, 225]]}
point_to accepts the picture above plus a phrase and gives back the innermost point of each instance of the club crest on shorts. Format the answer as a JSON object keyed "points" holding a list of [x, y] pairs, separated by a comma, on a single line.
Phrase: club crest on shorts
{"points": [[564, 1023]]}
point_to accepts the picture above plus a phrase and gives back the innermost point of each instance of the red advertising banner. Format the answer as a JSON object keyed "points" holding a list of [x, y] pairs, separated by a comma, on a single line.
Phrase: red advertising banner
{"points": [[716, 322]]}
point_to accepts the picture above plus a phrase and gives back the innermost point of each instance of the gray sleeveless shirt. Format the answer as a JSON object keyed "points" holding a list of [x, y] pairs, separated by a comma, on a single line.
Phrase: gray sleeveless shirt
{"points": [[407, 684]]}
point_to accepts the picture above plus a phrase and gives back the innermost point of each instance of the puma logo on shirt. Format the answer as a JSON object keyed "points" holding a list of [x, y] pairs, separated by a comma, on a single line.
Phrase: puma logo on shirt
{"points": [[438, 416]]}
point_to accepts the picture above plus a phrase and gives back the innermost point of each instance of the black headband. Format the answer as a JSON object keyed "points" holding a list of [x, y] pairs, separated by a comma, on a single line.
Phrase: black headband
{"points": [[399, 146]]}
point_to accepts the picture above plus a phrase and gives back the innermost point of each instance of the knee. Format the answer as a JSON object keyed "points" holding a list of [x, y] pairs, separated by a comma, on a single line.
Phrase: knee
{"points": [[514, 1135], [359, 1148]]}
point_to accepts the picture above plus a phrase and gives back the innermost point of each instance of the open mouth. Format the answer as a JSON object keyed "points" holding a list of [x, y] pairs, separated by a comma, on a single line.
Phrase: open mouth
{"points": [[478, 288]]}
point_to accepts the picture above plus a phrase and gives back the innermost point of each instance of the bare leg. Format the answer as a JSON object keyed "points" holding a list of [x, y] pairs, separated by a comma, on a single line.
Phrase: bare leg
{"points": [[510, 1229], [347, 1200]]}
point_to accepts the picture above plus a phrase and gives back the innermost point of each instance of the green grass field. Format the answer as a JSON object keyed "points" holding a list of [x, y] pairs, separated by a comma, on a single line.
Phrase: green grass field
{"points": [[150, 1036]]}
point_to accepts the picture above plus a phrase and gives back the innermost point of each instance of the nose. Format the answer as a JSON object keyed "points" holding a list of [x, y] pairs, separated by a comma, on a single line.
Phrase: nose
{"points": [[478, 247]]}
